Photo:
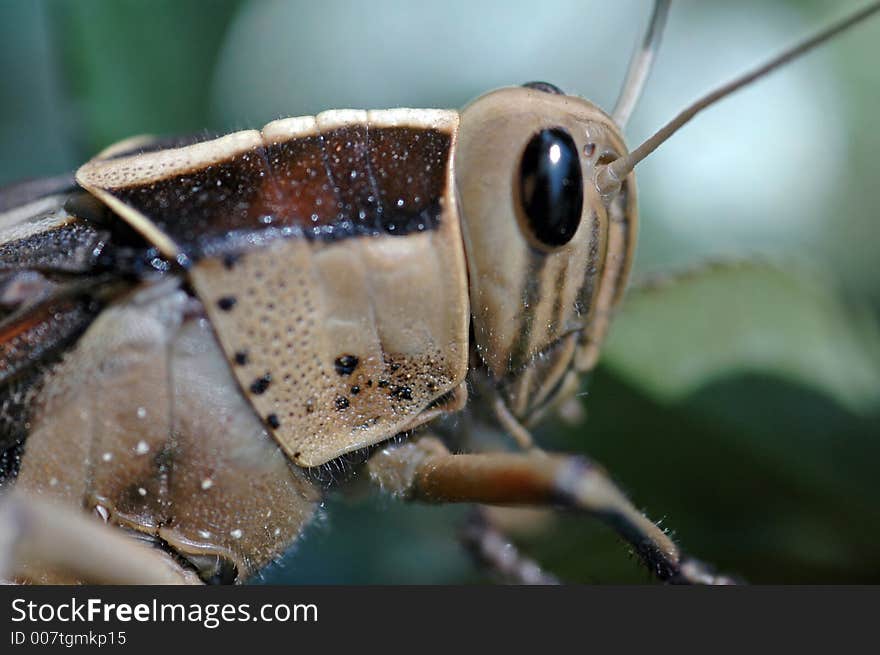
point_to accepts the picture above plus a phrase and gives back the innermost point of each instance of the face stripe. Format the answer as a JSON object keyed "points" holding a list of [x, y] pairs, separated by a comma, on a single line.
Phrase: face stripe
{"points": [[620, 215], [585, 297], [542, 324], [531, 296], [559, 286], [621, 238]]}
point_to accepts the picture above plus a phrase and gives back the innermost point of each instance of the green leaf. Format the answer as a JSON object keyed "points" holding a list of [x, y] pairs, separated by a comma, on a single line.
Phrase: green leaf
{"points": [[676, 337], [139, 67]]}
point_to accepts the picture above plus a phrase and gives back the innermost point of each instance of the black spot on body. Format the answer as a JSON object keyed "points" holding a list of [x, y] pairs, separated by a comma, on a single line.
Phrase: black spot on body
{"points": [[383, 383], [241, 357], [260, 385], [272, 420], [230, 260], [346, 364], [342, 403], [401, 392], [226, 303], [394, 368]]}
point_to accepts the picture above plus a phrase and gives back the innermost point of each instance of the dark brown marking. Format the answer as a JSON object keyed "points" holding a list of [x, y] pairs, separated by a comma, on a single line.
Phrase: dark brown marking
{"points": [[354, 180], [272, 420], [230, 260], [409, 168], [132, 496], [226, 303], [241, 357], [622, 215], [401, 392], [342, 403], [346, 156], [197, 206], [584, 301], [531, 294], [355, 390], [383, 383], [306, 194], [346, 364], [359, 180], [74, 247], [260, 385], [37, 333], [559, 308]]}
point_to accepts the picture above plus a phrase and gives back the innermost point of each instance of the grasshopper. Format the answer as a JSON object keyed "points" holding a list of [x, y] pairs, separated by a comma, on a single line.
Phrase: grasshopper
{"points": [[195, 329]]}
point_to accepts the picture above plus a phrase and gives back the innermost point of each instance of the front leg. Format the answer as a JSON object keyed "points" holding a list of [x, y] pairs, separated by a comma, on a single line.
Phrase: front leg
{"points": [[426, 471]]}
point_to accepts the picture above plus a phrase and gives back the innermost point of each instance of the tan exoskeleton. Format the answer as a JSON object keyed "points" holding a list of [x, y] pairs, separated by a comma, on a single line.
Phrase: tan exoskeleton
{"points": [[192, 331]]}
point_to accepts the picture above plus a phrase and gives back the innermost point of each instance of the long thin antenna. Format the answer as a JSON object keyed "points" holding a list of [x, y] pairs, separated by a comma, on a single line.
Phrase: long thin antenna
{"points": [[609, 177], [640, 64]]}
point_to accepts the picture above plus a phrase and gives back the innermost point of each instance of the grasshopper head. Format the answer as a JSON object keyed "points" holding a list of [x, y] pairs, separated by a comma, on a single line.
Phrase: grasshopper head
{"points": [[547, 254]]}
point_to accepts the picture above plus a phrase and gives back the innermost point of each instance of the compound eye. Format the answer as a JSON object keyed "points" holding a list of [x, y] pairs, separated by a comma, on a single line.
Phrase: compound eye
{"points": [[546, 87], [551, 186]]}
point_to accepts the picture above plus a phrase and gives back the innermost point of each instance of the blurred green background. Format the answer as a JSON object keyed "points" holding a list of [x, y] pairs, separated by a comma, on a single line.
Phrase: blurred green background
{"points": [[741, 405]]}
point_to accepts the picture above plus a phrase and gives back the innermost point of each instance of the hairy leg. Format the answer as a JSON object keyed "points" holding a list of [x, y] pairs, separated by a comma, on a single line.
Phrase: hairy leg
{"points": [[494, 550], [426, 471]]}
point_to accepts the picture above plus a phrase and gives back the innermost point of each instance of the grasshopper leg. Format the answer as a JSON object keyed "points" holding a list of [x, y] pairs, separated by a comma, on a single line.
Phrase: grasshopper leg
{"points": [[492, 549], [514, 428], [41, 541], [426, 471]]}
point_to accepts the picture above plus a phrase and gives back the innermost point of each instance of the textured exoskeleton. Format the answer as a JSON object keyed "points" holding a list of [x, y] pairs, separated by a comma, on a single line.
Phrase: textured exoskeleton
{"points": [[190, 331], [259, 304]]}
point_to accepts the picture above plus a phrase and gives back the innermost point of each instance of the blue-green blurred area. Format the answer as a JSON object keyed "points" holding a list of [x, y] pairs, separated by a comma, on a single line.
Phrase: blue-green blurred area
{"points": [[739, 403]]}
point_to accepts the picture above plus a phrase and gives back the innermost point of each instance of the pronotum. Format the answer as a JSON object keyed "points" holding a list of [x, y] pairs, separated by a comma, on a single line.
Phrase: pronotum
{"points": [[205, 325]]}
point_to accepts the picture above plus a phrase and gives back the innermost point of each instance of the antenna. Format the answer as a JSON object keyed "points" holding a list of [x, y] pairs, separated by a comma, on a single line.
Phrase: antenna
{"points": [[608, 178], [640, 64]]}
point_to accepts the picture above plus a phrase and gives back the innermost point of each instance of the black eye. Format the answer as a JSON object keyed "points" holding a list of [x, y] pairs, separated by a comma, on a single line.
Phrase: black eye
{"points": [[546, 87], [551, 186]]}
